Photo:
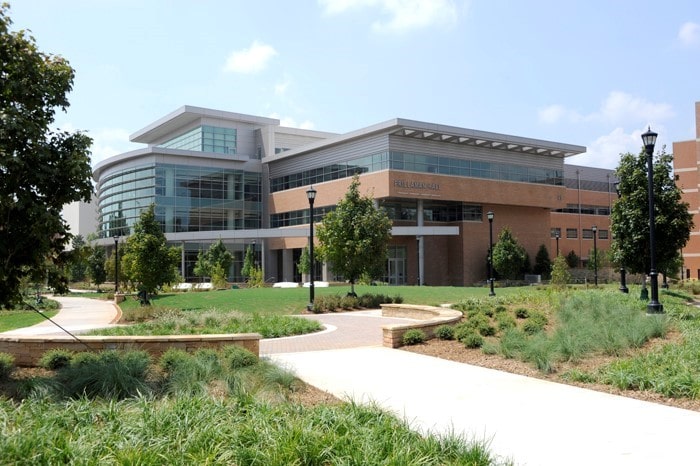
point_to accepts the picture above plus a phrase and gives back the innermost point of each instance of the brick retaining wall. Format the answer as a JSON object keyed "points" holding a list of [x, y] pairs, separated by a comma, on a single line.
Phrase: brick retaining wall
{"points": [[430, 319], [27, 350]]}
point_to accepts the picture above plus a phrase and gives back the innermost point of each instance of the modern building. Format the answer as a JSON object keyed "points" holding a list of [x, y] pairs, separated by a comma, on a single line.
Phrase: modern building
{"points": [[214, 174], [686, 157]]}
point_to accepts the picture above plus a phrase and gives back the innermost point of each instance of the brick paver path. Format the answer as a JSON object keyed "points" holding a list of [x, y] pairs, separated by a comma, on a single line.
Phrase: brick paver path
{"points": [[343, 330]]}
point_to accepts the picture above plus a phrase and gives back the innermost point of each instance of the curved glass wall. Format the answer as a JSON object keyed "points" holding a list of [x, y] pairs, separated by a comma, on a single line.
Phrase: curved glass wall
{"points": [[186, 198]]}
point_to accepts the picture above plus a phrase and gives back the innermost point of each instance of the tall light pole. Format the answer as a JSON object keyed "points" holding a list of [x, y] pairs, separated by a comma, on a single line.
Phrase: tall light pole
{"points": [[489, 215], [654, 306], [311, 195], [595, 255], [556, 236], [116, 264]]}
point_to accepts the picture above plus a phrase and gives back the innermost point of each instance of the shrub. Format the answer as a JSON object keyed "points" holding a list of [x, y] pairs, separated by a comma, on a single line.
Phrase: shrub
{"points": [[486, 330], [236, 357], [397, 299], [55, 359], [348, 302], [472, 340], [109, 374], [173, 359], [7, 364], [535, 323], [413, 336], [505, 321], [445, 332], [500, 309], [462, 329], [522, 313]]}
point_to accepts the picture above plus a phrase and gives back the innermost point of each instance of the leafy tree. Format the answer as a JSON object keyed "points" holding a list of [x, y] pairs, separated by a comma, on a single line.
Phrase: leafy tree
{"points": [[147, 259], [96, 265], [304, 264], [543, 264], [597, 259], [41, 170], [630, 215], [508, 255], [78, 264], [216, 260], [354, 237], [248, 268], [560, 272], [572, 259]]}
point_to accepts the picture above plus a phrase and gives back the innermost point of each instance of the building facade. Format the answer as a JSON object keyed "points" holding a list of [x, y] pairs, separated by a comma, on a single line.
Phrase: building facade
{"points": [[243, 179], [686, 157]]}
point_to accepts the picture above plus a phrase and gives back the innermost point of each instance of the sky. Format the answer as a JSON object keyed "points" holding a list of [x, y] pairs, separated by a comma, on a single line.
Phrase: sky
{"points": [[594, 73]]}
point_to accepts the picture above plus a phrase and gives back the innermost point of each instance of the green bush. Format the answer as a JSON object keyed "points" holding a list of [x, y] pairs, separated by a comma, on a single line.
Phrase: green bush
{"points": [[413, 336], [463, 329], [505, 321], [486, 330], [55, 359], [173, 359], [7, 365], [522, 313], [236, 357], [535, 323], [472, 340], [348, 302], [445, 332], [109, 374], [397, 299]]}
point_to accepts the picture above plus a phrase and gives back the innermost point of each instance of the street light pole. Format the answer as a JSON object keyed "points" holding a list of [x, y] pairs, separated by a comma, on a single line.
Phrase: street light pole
{"points": [[595, 255], [654, 306], [489, 215], [623, 285], [116, 264], [556, 236], [311, 195]]}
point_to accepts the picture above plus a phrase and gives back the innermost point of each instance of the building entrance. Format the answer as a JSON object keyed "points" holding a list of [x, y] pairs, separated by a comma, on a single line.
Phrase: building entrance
{"points": [[396, 266]]}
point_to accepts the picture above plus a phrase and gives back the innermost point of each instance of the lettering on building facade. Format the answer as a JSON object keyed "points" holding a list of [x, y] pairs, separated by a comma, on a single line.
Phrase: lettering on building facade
{"points": [[416, 185]]}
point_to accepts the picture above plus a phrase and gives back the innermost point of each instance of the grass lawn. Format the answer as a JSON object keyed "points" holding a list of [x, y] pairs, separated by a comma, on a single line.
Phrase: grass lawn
{"points": [[285, 301], [10, 320]]}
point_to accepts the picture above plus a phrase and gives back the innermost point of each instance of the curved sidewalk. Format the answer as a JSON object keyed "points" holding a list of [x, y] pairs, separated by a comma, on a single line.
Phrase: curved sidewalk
{"points": [[531, 421], [76, 315]]}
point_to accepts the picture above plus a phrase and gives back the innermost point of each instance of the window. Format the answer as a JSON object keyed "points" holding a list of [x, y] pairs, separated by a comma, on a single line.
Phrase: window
{"points": [[602, 234], [587, 233], [571, 233], [554, 232]]}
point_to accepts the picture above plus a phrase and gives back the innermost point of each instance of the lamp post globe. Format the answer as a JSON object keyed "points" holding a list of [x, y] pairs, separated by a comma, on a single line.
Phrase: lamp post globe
{"points": [[311, 196], [654, 306], [489, 215]]}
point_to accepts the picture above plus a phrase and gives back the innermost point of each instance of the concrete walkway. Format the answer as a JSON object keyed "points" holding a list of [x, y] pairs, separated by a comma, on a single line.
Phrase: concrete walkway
{"points": [[77, 315], [532, 421]]}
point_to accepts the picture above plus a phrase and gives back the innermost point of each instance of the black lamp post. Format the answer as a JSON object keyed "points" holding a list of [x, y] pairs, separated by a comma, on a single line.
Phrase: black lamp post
{"points": [[654, 306], [116, 264], [556, 236], [489, 215], [311, 195], [595, 255], [623, 285]]}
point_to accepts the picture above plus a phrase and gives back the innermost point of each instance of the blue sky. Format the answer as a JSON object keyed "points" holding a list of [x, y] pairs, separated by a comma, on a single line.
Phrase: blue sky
{"points": [[593, 73]]}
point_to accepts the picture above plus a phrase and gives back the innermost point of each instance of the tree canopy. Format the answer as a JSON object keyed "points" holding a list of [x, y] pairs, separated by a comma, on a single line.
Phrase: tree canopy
{"points": [[630, 215], [146, 258], [354, 237], [508, 255], [41, 170]]}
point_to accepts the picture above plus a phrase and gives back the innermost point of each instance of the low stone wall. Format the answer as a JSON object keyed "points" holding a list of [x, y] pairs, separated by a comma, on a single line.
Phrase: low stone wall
{"points": [[27, 350], [431, 318]]}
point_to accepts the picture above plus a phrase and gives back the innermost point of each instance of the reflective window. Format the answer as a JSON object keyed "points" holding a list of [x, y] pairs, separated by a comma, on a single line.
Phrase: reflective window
{"points": [[205, 139]]}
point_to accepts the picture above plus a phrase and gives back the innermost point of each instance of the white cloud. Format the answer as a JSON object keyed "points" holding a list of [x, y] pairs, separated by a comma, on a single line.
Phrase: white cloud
{"points": [[618, 108], [250, 60], [605, 151], [292, 123], [403, 15], [689, 34], [281, 87], [108, 142]]}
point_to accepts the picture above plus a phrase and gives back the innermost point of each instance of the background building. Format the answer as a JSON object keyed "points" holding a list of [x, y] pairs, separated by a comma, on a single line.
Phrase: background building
{"points": [[686, 156], [214, 174]]}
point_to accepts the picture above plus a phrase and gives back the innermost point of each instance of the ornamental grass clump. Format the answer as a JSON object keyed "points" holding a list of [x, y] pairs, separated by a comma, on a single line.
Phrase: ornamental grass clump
{"points": [[55, 359], [7, 365]]}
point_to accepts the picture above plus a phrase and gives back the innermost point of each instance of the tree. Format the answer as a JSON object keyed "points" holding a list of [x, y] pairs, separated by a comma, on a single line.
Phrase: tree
{"points": [[630, 215], [560, 272], [214, 263], [96, 265], [572, 259], [508, 255], [41, 170], [543, 264], [147, 259], [248, 268], [354, 237], [78, 264]]}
